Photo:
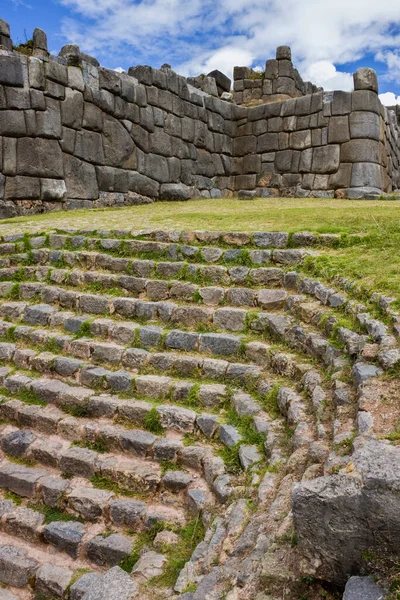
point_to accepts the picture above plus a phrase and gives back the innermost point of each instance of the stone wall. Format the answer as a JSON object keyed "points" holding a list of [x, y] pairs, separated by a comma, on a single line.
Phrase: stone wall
{"points": [[74, 134], [319, 144], [279, 81]]}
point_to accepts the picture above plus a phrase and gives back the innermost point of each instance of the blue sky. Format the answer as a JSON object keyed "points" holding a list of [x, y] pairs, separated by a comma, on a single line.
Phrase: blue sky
{"points": [[329, 40]]}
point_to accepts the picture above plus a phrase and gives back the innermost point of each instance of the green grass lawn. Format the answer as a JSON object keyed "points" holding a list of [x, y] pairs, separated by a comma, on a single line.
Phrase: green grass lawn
{"points": [[374, 262]]}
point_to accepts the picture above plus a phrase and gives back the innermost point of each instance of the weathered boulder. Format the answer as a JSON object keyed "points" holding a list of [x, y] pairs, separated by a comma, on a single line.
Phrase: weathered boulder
{"points": [[363, 588], [340, 517]]}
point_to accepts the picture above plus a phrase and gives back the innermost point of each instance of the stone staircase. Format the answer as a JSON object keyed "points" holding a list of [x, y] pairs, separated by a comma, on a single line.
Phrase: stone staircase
{"points": [[155, 383]]}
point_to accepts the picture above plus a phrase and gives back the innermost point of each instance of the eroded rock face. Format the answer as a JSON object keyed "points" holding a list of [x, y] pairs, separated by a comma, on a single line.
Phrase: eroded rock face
{"points": [[340, 517]]}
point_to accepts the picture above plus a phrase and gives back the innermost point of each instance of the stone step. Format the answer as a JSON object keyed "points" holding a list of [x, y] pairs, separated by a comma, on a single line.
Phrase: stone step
{"points": [[168, 450], [70, 537], [44, 487], [48, 573], [27, 566], [275, 326], [259, 239], [156, 250], [116, 413], [129, 472], [156, 290]]}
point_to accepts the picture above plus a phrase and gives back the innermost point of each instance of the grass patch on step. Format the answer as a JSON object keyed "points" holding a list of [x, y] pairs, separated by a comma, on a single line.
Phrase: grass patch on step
{"points": [[190, 535], [152, 422], [370, 257], [97, 446], [25, 395], [53, 514], [13, 497], [103, 482]]}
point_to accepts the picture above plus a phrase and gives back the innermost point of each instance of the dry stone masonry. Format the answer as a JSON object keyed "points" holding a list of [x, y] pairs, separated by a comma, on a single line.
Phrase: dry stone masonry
{"points": [[74, 134], [184, 415]]}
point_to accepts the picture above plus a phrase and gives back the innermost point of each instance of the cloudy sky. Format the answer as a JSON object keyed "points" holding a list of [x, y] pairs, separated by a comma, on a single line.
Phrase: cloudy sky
{"points": [[329, 39]]}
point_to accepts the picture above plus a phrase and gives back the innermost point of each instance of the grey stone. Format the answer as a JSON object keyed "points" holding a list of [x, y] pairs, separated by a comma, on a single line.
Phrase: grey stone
{"points": [[115, 584], [176, 480], [89, 502], [249, 456], [150, 564], [109, 550], [221, 487], [230, 319], [175, 417], [326, 159], [24, 523], [129, 513], [52, 580], [372, 489], [52, 490], [229, 435], [11, 70], [66, 536], [182, 340], [38, 314], [365, 125], [79, 462], [20, 479], [363, 372], [16, 568], [366, 79], [137, 442], [363, 588], [208, 424], [16, 443], [219, 344]]}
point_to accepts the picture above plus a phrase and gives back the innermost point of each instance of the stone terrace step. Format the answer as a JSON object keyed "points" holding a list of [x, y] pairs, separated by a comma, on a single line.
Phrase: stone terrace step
{"points": [[75, 497], [134, 474], [260, 239], [273, 325], [153, 250], [136, 442], [72, 537]]}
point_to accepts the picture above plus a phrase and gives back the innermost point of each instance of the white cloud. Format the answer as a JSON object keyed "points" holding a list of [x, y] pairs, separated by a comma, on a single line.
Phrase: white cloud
{"points": [[200, 35], [119, 70], [223, 59], [389, 99], [324, 74]]}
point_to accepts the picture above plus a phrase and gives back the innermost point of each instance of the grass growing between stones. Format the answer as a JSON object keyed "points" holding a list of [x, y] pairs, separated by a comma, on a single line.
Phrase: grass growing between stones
{"points": [[371, 260], [190, 535], [53, 514]]}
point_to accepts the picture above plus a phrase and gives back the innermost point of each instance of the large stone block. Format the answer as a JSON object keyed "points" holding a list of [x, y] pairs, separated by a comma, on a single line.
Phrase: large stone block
{"points": [[89, 147], [326, 159], [341, 517], [12, 123], [66, 536], [366, 79], [338, 130], [39, 157], [361, 151], [365, 125], [119, 149], [143, 185], [156, 167], [22, 188], [363, 588], [16, 568], [80, 179], [48, 122], [268, 142], [366, 175], [72, 109], [11, 71]]}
